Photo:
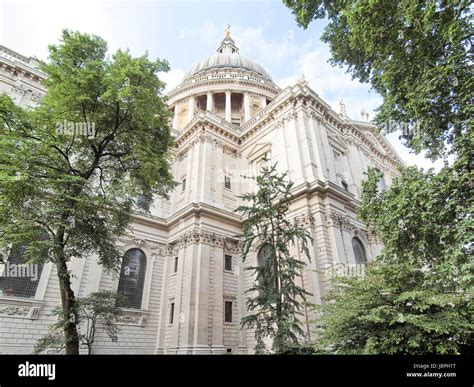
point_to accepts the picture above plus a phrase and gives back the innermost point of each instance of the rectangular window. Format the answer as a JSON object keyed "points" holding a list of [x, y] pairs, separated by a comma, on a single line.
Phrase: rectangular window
{"points": [[228, 311], [175, 264], [228, 262], [344, 185], [183, 186], [171, 313], [227, 182]]}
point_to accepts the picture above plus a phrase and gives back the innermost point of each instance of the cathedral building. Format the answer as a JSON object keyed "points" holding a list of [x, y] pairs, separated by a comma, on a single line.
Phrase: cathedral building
{"points": [[185, 293]]}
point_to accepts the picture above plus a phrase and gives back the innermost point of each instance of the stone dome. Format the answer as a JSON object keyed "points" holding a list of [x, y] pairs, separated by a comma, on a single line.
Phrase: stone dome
{"points": [[235, 60], [227, 56]]}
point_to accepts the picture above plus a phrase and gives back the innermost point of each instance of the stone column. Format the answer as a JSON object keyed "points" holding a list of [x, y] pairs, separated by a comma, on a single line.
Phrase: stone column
{"points": [[293, 148], [175, 117], [228, 106], [191, 104], [264, 101], [218, 302], [201, 302], [164, 305], [210, 101], [246, 107], [205, 182], [174, 342], [188, 299]]}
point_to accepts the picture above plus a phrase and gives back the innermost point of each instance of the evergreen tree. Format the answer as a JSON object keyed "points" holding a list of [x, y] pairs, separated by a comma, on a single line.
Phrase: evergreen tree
{"points": [[275, 300]]}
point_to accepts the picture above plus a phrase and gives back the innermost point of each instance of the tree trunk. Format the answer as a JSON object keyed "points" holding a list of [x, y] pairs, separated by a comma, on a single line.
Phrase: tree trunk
{"points": [[68, 302]]}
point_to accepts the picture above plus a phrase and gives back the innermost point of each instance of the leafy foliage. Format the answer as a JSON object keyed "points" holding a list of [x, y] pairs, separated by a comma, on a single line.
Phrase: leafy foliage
{"points": [[96, 310], [275, 299], [416, 53], [416, 297], [79, 186]]}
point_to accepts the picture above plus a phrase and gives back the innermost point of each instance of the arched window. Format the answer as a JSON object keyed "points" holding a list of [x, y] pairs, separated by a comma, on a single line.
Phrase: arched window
{"points": [[359, 251], [266, 277], [132, 278], [264, 254]]}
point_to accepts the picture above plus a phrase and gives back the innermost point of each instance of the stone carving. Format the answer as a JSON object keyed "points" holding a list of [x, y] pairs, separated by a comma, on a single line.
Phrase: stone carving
{"points": [[337, 219], [139, 320], [206, 237], [233, 246], [342, 108], [302, 80], [304, 220], [156, 247], [14, 310]]}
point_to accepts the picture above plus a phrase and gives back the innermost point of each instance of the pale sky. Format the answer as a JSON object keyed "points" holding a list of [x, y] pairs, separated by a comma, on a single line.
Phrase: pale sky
{"points": [[183, 32]]}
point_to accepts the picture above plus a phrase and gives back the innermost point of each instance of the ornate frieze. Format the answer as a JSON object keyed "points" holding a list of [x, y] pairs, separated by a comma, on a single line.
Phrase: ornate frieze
{"points": [[304, 220], [20, 311], [197, 236], [132, 318], [14, 310], [191, 237]]}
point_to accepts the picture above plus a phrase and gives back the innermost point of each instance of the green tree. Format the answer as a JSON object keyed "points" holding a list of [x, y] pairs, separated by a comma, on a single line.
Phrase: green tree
{"points": [[417, 54], [416, 297], [275, 299], [97, 310], [75, 165]]}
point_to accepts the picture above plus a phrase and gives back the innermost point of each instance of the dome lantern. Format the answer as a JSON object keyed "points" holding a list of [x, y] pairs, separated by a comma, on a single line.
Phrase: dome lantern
{"points": [[227, 46]]}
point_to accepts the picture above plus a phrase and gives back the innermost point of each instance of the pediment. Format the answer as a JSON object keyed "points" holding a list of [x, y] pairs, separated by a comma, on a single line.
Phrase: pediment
{"points": [[375, 142], [336, 140], [259, 150]]}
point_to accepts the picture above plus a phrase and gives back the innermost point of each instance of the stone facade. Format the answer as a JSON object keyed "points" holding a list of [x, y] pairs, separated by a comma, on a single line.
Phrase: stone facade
{"points": [[228, 114], [20, 78]]}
